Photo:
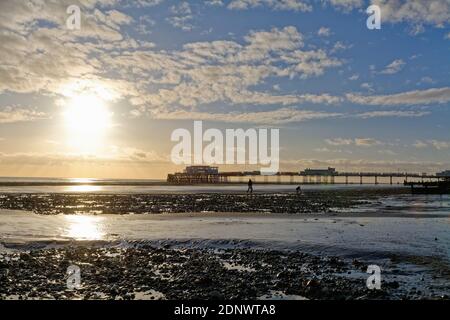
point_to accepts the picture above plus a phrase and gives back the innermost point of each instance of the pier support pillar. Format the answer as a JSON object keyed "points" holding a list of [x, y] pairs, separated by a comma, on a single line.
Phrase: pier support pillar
{"points": [[360, 180], [346, 179], [376, 179], [391, 180]]}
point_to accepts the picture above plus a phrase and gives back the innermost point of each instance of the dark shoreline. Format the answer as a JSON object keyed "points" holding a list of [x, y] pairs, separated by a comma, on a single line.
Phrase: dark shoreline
{"points": [[165, 273], [310, 201]]}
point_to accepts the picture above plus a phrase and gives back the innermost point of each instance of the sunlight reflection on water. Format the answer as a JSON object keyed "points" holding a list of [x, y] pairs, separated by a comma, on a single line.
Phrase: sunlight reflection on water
{"points": [[84, 227], [83, 188]]}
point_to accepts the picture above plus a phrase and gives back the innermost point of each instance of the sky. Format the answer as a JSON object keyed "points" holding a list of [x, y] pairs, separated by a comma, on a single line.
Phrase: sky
{"points": [[102, 101]]}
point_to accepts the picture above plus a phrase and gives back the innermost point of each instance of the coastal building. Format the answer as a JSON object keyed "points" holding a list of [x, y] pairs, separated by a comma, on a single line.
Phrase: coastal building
{"points": [[208, 170], [319, 172], [196, 175]]}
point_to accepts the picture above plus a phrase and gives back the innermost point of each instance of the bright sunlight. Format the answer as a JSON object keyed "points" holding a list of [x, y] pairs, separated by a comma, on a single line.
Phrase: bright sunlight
{"points": [[87, 119]]}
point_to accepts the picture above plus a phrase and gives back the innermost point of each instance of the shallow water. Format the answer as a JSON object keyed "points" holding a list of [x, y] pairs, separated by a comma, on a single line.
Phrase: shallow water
{"points": [[366, 236]]}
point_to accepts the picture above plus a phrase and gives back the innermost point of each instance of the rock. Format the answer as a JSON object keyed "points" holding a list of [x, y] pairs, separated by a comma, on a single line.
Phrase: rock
{"points": [[216, 295]]}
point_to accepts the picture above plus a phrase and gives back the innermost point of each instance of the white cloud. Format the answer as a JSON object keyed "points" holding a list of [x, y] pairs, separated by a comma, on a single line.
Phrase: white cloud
{"points": [[324, 32], [182, 16], [339, 142], [19, 114], [429, 96], [394, 67], [295, 5], [359, 142], [367, 86], [217, 3], [367, 142], [207, 72], [394, 113], [440, 145], [437, 144], [416, 12], [275, 117], [346, 5], [420, 144], [426, 80]]}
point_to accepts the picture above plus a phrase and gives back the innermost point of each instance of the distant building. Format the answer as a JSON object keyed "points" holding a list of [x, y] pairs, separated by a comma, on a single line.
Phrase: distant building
{"points": [[319, 172], [201, 170], [445, 173]]}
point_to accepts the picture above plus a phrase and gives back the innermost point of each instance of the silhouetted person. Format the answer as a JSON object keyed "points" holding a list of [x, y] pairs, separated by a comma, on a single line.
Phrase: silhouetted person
{"points": [[299, 190], [250, 186]]}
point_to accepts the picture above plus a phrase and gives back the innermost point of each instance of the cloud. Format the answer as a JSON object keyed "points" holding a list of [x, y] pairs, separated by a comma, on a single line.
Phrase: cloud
{"points": [[367, 142], [339, 142], [227, 71], [120, 156], [19, 114], [360, 142], [295, 5], [181, 16], [437, 144], [394, 67], [367, 86], [415, 12], [324, 32], [145, 3], [426, 80], [275, 117], [440, 145], [429, 96], [218, 3], [420, 144], [48, 60], [393, 113], [346, 5]]}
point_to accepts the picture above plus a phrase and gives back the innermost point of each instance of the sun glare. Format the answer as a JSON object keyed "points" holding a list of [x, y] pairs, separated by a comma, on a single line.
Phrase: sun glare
{"points": [[84, 227], [87, 119]]}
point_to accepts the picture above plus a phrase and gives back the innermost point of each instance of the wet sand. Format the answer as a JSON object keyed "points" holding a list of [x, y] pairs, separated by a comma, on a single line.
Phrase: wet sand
{"points": [[164, 273], [283, 202]]}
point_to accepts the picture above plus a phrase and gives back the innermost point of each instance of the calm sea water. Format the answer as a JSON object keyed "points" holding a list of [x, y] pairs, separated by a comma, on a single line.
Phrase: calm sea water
{"points": [[158, 186]]}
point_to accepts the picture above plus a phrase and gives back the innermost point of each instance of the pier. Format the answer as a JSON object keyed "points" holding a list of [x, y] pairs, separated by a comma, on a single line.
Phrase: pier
{"points": [[200, 174]]}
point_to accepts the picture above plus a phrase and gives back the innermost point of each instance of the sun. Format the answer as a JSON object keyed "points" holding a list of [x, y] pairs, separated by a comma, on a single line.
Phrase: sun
{"points": [[87, 119]]}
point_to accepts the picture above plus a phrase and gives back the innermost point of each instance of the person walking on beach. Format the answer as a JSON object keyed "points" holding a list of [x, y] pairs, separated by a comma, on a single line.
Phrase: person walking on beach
{"points": [[250, 186]]}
